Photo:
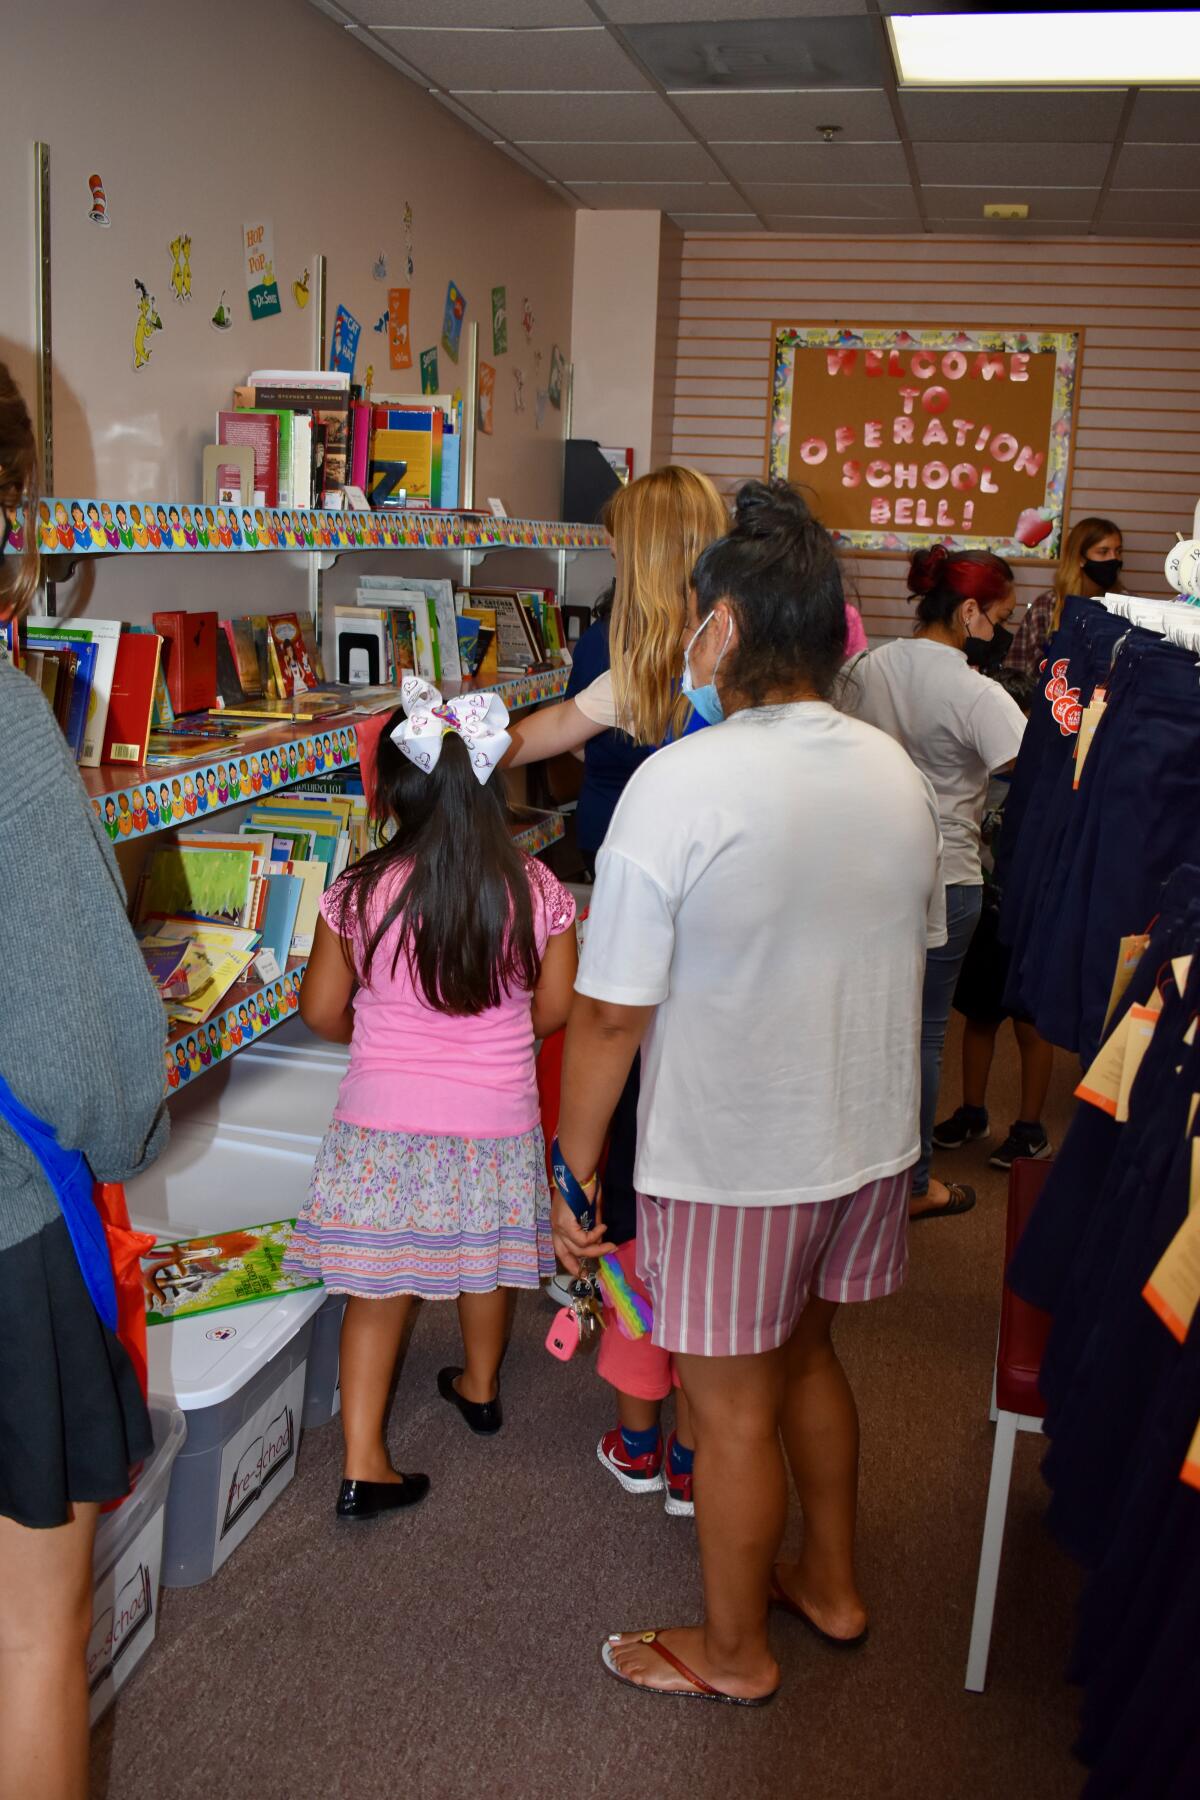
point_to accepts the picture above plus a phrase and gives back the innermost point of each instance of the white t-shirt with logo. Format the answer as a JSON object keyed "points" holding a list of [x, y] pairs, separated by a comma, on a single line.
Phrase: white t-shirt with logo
{"points": [[770, 887], [956, 724]]}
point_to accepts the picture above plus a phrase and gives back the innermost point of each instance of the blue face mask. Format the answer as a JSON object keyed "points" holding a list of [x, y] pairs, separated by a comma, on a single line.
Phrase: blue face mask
{"points": [[706, 699]]}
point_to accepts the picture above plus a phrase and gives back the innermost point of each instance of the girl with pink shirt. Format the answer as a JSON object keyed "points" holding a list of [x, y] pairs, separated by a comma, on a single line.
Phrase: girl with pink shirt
{"points": [[439, 958]]}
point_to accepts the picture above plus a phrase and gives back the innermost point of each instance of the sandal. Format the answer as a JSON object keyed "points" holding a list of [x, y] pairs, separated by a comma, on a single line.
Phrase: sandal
{"points": [[781, 1597], [960, 1199], [698, 1689]]}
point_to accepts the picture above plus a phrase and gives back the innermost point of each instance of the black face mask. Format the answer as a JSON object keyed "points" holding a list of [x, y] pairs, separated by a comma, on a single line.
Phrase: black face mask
{"points": [[988, 654], [1104, 574]]}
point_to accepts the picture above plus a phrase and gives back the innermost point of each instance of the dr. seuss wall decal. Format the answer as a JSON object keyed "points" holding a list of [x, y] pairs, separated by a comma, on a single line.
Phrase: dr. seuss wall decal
{"points": [[262, 289], [527, 319], [181, 266], [379, 266], [499, 321], [452, 320], [408, 239], [518, 376], [300, 290], [146, 324], [222, 319], [98, 210]]}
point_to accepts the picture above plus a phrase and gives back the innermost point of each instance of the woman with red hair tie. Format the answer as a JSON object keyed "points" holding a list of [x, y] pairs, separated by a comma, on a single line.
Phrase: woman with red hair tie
{"points": [[959, 728]]}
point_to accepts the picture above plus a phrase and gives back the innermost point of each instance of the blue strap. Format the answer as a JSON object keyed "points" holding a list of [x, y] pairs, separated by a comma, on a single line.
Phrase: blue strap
{"points": [[71, 1180], [572, 1191]]}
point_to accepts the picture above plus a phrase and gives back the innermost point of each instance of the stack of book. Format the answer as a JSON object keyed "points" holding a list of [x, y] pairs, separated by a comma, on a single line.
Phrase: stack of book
{"points": [[95, 683], [316, 436], [399, 625]]}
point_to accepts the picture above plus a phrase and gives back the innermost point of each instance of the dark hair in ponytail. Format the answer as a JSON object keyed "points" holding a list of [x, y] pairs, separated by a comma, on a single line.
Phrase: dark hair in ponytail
{"points": [[778, 570], [464, 904], [940, 580]]}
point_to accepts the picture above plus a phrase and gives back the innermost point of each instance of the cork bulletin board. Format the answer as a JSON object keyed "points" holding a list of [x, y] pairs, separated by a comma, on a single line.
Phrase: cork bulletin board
{"points": [[930, 435]]}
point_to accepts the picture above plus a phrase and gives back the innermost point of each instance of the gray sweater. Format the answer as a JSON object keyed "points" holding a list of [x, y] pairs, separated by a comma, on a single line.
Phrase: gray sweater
{"points": [[82, 1029]]}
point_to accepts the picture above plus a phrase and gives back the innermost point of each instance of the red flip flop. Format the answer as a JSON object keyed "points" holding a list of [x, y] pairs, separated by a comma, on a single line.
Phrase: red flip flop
{"points": [[698, 1688]]}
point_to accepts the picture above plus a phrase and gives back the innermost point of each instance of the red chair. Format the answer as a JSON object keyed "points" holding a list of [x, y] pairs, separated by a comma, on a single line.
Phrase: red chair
{"points": [[1017, 1405]]}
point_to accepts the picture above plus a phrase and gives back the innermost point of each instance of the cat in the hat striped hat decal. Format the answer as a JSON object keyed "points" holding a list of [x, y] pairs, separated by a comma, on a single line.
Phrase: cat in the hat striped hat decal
{"points": [[99, 208]]}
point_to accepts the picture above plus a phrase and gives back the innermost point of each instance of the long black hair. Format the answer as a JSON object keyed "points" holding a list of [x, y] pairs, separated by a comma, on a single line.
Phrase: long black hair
{"points": [[463, 904], [779, 571]]}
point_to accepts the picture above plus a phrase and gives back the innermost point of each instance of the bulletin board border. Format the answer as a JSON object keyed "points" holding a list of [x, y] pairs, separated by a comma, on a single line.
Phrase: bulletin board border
{"points": [[1066, 341]]}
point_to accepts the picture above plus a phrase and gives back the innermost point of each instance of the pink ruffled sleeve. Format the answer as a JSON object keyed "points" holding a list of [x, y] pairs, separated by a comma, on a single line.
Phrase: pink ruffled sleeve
{"points": [[856, 637], [557, 902]]}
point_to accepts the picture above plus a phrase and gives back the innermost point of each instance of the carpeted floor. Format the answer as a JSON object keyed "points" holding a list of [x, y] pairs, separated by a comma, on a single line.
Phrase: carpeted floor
{"points": [[454, 1652]]}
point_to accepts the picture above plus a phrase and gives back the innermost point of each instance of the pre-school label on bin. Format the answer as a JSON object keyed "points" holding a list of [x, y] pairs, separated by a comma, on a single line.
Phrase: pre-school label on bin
{"points": [[123, 1615], [257, 1463]]}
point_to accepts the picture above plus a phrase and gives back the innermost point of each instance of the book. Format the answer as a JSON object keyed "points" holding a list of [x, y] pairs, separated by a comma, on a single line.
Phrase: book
{"points": [[239, 635], [516, 642], [105, 634], [360, 648], [302, 459], [310, 872], [208, 1274], [260, 430], [73, 700], [487, 663], [412, 436], [432, 604], [283, 897], [360, 442], [192, 879], [402, 627], [325, 393], [291, 651], [131, 699], [190, 653]]}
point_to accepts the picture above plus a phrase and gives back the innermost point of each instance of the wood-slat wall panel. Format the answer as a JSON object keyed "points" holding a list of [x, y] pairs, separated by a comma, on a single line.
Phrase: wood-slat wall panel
{"points": [[1137, 446]]}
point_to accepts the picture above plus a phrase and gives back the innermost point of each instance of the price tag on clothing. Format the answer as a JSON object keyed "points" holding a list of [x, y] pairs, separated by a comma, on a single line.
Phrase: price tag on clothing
{"points": [[1194, 1185], [1190, 1471], [1128, 957], [1142, 1019], [1173, 1290], [1092, 715], [1101, 1086], [1181, 968]]}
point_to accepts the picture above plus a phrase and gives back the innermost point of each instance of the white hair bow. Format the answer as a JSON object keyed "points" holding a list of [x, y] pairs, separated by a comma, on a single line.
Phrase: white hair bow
{"points": [[478, 719]]}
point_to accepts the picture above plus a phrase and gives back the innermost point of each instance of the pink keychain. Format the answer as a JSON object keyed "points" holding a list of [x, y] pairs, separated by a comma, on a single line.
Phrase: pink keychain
{"points": [[562, 1339]]}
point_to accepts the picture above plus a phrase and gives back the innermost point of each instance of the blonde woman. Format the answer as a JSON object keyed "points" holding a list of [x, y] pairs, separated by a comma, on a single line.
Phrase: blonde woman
{"points": [[659, 526], [1090, 564]]}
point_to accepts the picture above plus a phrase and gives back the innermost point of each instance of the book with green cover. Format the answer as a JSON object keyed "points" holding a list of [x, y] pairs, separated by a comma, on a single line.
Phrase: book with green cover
{"points": [[207, 1274]]}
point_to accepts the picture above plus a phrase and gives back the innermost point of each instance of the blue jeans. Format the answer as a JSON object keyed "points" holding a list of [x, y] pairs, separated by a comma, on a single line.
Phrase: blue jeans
{"points": [[963, 906]]}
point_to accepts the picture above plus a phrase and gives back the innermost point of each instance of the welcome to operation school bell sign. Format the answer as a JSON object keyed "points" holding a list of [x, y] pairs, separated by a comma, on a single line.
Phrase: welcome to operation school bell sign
{"points": [[930, 435]]}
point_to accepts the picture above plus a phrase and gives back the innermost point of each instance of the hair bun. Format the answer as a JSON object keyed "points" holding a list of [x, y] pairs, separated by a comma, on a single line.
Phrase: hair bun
{"points": [[926, 569], [764, 507]]}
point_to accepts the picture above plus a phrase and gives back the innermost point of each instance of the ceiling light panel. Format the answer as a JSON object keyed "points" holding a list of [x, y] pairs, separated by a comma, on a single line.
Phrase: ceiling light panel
{"points": [[1114, 49]]}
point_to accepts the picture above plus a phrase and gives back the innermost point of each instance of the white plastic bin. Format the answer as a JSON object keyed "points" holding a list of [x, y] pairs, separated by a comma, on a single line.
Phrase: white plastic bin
{"points": [[323, 1389], [127, 1564]]}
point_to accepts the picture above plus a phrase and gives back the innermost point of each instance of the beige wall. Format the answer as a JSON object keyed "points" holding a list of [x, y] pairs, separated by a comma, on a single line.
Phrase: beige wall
{"points": [[197, 120], [1137, 449], [614, 329]]}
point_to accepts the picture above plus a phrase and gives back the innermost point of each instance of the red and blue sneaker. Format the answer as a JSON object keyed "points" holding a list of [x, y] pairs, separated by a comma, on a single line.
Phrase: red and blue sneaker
{"points": [[678, 1483], [636, 1474]]}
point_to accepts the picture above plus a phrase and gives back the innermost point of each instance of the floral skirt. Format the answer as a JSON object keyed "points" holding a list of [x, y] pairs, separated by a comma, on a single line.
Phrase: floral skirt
{"points": [[391, 1212]]}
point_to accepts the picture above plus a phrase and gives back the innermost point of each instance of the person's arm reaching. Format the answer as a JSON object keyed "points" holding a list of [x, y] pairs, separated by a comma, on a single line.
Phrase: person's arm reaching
{"points": [[602, 1041], [551, 731]]}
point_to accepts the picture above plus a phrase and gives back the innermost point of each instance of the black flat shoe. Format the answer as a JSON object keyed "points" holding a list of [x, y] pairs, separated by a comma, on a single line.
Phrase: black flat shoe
{"points": [[483, 1416], [369, 1499]]}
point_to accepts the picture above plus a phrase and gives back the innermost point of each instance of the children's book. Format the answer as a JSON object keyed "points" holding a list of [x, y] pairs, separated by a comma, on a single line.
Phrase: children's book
{"points": [[279, 919], [49, 636], [487, 657], [239, 636], [207, 1274], [131, 701], [194, 879], [287, 639], [260, 430]]}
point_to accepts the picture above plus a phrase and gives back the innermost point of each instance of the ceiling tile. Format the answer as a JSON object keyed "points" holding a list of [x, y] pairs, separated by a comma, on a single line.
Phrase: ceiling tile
{"points": [[650, 12], [452, 15], [623, 162], [1164, 116], [1005, 115], [1066, 165], [837, 162], [761, 53], [1003, 228], [816, 225], [1158, 166], [1152, 206], [504, 61], [862, 113], [825, 201], [660, 196], [579, 118], [1044, 203], [716, 221]]}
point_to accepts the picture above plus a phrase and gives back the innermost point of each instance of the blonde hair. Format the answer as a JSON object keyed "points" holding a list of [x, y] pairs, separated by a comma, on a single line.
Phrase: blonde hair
{"points": [[660, 524], [18, 487], [1080, 539]]}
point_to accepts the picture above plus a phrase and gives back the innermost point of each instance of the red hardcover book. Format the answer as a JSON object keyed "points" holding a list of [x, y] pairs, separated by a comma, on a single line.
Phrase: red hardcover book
{"points": [[261, 431], [191, 657], [360, 443], [131, 702]]}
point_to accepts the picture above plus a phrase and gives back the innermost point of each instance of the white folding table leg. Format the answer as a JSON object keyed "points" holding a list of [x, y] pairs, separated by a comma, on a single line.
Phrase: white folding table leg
{"points": [[990, 1550]]}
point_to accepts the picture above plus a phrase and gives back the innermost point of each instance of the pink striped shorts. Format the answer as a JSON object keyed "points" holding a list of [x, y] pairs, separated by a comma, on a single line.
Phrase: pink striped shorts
{"points": [[733, 1280]]}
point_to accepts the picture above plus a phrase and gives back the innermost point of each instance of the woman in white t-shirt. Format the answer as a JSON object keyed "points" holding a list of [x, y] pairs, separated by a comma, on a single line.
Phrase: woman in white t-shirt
{"points": [[959, 728], [763, 903]]}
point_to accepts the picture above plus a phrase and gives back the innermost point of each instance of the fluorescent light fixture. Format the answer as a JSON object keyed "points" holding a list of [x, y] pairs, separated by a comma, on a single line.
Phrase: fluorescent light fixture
{"points": [[1046, 49]]}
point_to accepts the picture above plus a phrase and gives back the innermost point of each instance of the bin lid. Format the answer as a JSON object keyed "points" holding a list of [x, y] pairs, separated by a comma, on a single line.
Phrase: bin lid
{"points": [[201, 1361]]}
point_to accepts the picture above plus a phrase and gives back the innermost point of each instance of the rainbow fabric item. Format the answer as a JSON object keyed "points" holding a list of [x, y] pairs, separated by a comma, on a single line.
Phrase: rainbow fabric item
{"points": [[634, 1315]]}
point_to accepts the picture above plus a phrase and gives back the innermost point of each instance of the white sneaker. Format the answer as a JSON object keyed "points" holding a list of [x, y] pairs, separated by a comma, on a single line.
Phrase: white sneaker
{"points": [[558, 1290]]}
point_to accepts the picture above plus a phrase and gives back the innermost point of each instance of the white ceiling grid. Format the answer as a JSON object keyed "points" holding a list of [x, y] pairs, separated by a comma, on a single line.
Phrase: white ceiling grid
{"points": [[710, 111]]}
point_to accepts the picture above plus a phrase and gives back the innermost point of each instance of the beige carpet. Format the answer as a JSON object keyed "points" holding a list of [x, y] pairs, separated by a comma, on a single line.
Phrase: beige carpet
{"points": [[454, 1652]]}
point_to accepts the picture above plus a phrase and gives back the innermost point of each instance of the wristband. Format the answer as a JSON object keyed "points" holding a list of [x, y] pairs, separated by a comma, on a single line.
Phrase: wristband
{"points": [[571, 1189]]}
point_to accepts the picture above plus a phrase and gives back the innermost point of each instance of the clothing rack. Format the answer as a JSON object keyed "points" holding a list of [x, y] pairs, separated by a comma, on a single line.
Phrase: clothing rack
{"points": [[1178, 621]]}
